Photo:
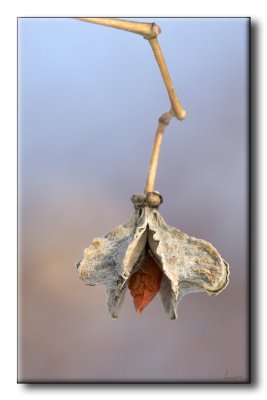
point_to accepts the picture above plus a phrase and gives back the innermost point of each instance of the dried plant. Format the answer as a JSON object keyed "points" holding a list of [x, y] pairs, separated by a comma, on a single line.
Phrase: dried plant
{"points": [[146, 255]]}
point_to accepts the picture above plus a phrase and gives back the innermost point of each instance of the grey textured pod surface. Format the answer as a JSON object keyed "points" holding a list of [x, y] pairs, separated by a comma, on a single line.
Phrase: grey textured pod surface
{"points": [[188, 264]]}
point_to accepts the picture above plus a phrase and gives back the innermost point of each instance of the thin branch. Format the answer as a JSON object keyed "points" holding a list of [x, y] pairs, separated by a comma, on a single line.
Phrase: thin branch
{"points": [[175, 111], [164, 120], [147, 30], [176, 105], [150, 32]]}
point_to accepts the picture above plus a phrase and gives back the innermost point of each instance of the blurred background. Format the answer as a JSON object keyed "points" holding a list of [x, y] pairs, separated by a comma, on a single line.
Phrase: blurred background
{"points": [[88, 102]]}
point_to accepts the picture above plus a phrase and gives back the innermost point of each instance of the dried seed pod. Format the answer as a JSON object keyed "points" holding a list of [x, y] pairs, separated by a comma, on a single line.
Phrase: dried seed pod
{"points": [[187, 264]]}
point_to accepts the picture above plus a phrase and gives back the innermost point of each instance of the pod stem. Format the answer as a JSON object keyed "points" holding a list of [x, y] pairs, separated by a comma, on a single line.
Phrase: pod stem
{"points": [[150, 31]]}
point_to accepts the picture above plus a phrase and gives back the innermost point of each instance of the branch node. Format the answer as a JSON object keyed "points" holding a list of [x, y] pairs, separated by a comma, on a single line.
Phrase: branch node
{"points": [[166, 117], [155, 31]]}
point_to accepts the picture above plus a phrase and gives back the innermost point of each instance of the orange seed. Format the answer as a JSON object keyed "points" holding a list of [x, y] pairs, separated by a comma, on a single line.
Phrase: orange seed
{"points": [[144, 284]]}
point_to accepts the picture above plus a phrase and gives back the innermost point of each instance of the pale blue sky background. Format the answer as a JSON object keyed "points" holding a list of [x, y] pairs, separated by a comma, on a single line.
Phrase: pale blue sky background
{"points": [[89, 99]]}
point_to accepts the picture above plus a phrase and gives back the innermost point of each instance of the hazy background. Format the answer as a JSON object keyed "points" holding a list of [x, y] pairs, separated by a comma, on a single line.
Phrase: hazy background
{"points": [[89, 100]]}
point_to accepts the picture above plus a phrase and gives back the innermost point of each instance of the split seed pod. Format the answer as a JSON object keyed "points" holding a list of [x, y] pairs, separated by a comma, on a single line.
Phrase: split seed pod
{"points": [[146, 255]]}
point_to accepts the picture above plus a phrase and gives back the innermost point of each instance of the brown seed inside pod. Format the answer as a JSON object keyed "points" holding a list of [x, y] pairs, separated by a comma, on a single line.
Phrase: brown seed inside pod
{"points": [[145, 283]]}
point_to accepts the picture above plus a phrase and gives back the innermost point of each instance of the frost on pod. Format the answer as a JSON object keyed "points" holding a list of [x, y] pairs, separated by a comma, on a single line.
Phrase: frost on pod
{"points": [[147, 256]]}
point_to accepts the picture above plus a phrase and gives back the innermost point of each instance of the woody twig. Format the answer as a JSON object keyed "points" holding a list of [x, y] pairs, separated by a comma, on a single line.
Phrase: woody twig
{"points": [[150, 31]]}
